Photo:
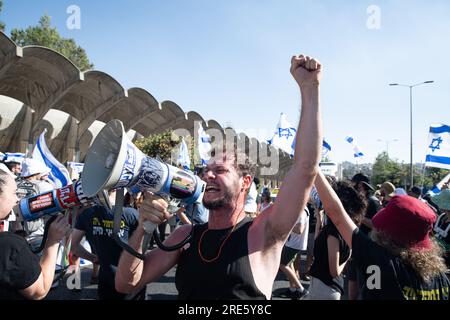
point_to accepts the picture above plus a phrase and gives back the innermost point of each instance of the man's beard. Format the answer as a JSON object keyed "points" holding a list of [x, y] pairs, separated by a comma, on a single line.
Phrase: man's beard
{"points": [[218, 203]]}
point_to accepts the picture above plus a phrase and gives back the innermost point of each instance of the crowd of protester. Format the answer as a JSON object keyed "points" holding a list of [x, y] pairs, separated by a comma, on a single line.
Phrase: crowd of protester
{"points": [[315, 244], [331, 239]]}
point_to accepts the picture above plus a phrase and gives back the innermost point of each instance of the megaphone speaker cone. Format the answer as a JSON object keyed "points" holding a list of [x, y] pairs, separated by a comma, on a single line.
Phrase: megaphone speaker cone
{"points": [[112, 161]]}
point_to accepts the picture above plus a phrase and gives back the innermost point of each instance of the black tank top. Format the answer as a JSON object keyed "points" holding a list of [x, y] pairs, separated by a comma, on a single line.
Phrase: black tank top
{"points": [[229, 277]]}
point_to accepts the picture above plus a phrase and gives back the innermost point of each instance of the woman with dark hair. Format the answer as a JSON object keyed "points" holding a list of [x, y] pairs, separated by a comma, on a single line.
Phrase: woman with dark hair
{"points": [[331, 253], [22, 275], [266, 201], [400, 261]]}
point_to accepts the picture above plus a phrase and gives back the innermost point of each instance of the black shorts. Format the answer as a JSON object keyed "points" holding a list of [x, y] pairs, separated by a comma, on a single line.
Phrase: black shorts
{"points": [[288, 255]]}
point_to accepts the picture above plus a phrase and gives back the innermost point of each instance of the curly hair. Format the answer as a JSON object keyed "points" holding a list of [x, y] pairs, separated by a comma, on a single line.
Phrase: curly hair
{"points": [[427, 263], [354, 202]]}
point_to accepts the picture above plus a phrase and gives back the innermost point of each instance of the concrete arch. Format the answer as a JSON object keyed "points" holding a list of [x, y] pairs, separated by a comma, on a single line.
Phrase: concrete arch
{"points": [[10, 53], [39, 79], [139, 105], [44, 81]]}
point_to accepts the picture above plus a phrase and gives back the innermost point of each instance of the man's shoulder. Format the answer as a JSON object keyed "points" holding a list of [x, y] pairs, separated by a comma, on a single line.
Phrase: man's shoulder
{"points": [[130, 213], [11, 238]]}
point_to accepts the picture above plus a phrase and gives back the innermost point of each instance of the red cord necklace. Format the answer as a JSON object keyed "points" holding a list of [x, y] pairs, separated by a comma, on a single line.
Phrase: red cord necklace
{"points": [[221, 246]]}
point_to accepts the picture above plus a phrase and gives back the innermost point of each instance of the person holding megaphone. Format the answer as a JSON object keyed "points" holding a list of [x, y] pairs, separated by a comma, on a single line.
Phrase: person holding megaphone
{"points": [[233, 256], [22, 274]]}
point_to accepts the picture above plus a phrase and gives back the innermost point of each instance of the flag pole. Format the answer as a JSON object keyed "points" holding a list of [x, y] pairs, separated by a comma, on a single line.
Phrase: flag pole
{"points": [[424, 167]]}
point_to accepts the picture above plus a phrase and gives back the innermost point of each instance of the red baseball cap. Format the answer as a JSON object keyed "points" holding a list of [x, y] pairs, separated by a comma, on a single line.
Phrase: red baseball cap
{"points": [[407, 221]]}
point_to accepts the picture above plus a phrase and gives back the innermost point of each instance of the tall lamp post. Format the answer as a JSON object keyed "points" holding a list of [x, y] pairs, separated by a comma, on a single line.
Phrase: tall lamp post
{"points": [[387, 144], [411, 124]]}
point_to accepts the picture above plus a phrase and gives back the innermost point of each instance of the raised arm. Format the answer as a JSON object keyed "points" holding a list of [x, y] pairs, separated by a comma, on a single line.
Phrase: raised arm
{"points": [[334, 209], [296, 187]]}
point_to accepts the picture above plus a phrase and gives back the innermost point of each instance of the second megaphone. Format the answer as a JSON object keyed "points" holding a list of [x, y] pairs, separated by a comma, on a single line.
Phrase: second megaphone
{"points": [[113, 161], [53, 201]]}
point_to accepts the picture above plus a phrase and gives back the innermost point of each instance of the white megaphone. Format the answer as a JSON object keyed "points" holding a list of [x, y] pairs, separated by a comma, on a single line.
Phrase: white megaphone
{"points": [[113, 161]]}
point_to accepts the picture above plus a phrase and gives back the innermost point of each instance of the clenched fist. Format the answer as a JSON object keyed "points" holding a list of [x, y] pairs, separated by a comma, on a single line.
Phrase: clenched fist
{"points": [[153, 209], [306, 71]]}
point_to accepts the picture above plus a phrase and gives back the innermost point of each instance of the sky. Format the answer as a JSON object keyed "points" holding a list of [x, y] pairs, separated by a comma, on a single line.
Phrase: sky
{"points": [[229, 60]]}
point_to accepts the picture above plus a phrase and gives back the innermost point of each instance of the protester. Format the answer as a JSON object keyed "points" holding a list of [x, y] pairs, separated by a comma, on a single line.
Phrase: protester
{"points": [[442, 226], [232, 256], [362, 183], [400, 192], [22, 274], [415, 192], [331, 253], [266, 201], [251, 205], [96, 224], [297, 241], [401, 261], [32, 173], [387, 190], [14, 167]]}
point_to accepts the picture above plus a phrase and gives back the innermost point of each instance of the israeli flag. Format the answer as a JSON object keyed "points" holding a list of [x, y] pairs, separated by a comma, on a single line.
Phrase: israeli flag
{"points": [[204, 145], [325, 148], [13, 157], [183, 156], [438, 152], [284, 136], [438, 187], [357, 153], [58, 173], [76, 166]]}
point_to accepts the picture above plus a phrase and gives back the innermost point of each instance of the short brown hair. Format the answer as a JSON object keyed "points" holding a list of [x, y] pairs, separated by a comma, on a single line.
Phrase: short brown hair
{"points": [[241, 162]]}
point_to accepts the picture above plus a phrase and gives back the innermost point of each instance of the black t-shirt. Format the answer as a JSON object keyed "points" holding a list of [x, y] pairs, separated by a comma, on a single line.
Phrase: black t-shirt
{"points": [[320, 267], [387, 277], [373, 206], [19, 267], [97, 223], [229, 277]]}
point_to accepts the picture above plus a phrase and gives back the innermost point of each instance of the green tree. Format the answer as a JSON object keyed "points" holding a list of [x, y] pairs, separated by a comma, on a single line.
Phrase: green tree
{"points": [[2, 25], [433, 175], [159, 145], [386, 169], [46, 36]]}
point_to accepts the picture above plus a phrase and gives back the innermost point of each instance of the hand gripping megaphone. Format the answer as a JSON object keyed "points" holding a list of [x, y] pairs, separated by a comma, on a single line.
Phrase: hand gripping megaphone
{"points": [[113, 161], [53, 201]]}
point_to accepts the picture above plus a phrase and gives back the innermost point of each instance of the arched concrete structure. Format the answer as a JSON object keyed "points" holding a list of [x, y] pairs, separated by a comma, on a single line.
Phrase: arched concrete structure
{"points": [[51, 92]]}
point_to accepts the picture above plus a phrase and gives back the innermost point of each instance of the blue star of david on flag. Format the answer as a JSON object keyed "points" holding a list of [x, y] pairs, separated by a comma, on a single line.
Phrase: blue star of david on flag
{"points": [[285, 132], [435, 144], [438, 154]]}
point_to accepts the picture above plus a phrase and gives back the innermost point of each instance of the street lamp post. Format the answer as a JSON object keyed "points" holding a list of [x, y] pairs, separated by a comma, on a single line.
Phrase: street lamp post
{"points": [[411, 124], [387, 144]]}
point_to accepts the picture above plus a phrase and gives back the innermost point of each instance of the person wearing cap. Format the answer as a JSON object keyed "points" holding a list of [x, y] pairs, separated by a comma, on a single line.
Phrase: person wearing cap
{"points": [[22, 274], [442, 226], [400, 261], [362, 183], [32, 173], [355, 278], [387, 190]]}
